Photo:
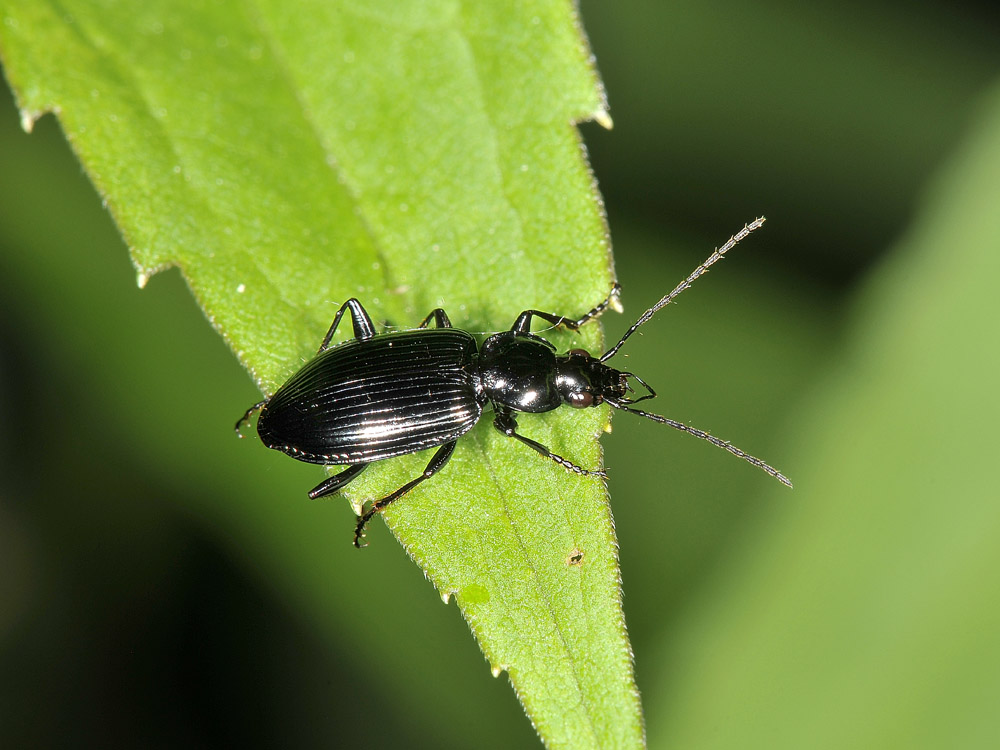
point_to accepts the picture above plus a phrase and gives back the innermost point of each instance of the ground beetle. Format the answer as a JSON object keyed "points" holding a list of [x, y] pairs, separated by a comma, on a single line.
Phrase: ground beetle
{"points": [[383, 395]]}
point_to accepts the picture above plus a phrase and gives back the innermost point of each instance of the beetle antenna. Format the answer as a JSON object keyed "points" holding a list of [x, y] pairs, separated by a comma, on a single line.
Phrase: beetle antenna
{"points": [[246, 417], [724, 444], [713, 258]]}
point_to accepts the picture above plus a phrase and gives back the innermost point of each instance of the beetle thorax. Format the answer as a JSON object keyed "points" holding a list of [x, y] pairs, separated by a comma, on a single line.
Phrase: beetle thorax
{"points": [[523, 373], [519, 372]]}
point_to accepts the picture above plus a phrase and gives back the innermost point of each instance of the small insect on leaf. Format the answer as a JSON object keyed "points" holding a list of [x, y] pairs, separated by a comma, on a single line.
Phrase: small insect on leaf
{"points": [[382, 395]]}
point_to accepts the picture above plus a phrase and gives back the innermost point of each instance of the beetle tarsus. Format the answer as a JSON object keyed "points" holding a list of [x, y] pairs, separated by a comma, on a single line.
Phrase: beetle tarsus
{"points": [[359, 531], [438, 460], [246, 416]]}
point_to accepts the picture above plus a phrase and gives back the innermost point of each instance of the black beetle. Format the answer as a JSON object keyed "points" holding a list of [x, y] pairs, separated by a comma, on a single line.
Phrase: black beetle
{"points": [[384, 395]]}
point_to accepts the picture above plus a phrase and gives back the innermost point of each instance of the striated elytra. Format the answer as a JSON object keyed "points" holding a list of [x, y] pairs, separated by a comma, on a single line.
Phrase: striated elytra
{"points": [[382, 395]]}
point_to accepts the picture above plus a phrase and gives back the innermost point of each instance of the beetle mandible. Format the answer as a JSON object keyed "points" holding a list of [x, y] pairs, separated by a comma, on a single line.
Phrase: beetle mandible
{"points": [[377, 396]]}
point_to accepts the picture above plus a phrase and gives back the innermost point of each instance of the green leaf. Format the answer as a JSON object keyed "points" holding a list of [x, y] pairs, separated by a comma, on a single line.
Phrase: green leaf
{"points": [[865, 613], [412, 155]]}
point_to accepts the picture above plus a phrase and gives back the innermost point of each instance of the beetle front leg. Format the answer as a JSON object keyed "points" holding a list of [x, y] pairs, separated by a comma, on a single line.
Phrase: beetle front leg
{"points": [[439, 459], [363, 326], [506, 423], [523, 322]]}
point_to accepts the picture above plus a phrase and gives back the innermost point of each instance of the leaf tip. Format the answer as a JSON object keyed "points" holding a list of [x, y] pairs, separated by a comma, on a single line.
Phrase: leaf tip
{"points": [[357, 505], [29, 117], [143, 272], [603, 118]]}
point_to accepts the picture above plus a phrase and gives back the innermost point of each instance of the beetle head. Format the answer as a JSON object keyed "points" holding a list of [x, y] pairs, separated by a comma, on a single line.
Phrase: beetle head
{"points": [[582, 380]]}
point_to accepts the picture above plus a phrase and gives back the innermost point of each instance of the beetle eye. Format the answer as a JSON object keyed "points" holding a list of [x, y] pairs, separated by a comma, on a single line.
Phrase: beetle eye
{"points": [[581, 399], [579, 353]]}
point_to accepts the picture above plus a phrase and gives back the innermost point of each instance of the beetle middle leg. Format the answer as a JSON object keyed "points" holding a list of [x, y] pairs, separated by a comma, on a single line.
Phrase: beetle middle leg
{"points": [[506, 423], [438, 460]]}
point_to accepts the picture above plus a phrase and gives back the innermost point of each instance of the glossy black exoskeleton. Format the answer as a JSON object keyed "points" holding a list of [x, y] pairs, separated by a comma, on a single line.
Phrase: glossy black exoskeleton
{"points": [[383, 395]]}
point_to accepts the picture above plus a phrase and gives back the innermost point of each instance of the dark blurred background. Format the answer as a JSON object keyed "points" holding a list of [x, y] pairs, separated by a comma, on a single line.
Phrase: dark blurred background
{"points": [[140, 603]]}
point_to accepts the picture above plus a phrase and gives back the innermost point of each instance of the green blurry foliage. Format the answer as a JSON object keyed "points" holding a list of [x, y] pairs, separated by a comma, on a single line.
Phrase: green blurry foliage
{"points": [[865, 614]]}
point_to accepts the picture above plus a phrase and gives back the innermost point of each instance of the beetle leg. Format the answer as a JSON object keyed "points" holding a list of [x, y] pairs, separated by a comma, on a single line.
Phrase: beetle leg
{"points": [[363, 326], [331, 484], [439, 316], [523, 322], [507, 424], [438, 460], [249, 413]]}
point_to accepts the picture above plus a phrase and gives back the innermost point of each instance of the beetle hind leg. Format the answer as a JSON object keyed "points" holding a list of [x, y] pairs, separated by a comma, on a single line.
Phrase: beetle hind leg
{"points": [[439, 459], [440, 318], [360, 319], [246, 416], [332, 484]]}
